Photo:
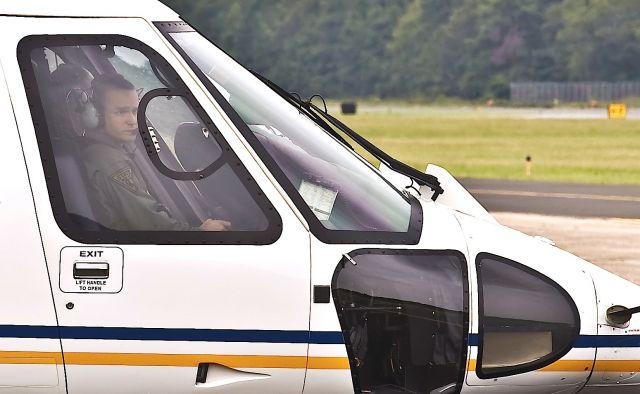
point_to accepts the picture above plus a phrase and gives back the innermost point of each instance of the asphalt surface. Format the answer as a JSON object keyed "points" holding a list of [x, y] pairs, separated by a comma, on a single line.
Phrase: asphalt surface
{"points": [[558, 199], [611, 244]]}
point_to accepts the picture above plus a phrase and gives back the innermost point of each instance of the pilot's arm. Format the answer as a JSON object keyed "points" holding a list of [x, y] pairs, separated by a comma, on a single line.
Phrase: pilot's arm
{"points": [[126, 204]]}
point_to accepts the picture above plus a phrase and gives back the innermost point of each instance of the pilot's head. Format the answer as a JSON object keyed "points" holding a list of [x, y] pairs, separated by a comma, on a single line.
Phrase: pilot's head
{"points": [[116, 101], [71, 88]]}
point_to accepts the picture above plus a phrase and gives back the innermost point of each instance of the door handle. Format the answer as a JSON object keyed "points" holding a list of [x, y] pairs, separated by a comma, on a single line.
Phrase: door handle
{"points": [[216, 375], [84, 270], [201, 374]]}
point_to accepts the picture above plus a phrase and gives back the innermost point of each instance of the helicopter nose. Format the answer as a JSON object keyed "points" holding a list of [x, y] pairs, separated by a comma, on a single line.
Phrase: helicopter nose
{"points": [[618, 341]]}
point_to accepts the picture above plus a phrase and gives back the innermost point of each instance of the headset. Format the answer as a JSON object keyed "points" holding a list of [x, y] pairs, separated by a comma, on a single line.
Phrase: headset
{"points": [[80, 102]]}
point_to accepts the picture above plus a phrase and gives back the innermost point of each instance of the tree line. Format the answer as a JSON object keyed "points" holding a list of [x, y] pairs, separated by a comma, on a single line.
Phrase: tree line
{"points": [[423, 49]]}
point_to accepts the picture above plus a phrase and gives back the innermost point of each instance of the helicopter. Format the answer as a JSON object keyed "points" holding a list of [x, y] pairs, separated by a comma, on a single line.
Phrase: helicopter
{"points": [[175, 223]]}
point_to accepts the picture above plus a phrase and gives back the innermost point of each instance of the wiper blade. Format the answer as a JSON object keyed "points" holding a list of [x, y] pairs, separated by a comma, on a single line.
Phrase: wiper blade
{"points": [[322, 117], [295, 100], [420, 178]]}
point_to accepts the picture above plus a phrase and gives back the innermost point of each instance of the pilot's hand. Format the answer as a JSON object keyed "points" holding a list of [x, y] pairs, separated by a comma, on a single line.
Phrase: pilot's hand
{"points": [[215, 225]]}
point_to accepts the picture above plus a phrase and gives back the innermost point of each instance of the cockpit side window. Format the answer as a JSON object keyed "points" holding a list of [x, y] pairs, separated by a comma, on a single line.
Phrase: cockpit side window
{"points": [[527, 321], [405, 319], [137, 160]]}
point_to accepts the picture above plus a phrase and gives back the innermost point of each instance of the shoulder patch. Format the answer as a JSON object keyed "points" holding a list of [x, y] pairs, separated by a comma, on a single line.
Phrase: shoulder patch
{"points": [[126, 179]]}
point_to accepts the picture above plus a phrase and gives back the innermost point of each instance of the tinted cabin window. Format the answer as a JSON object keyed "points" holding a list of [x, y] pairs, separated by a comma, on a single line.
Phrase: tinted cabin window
{"points": [[136, 158], [404, 319], [527, 321]]}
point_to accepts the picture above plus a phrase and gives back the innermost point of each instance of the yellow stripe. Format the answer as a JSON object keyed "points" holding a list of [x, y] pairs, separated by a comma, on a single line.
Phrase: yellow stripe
{"points": [[558, 366], [568, 366], [583, 366], [328, 363], [253, 361], [28, 360], [15, 357], [184, 360], [617, 366], [173, 360]]}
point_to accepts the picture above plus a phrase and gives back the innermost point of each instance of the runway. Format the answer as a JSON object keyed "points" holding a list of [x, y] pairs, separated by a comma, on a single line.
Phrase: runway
{"points": [[563, 199], [599, 223]]}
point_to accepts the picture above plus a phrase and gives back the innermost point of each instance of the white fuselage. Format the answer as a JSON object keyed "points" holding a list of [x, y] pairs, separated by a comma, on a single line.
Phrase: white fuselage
{"points": [[148, 316]]}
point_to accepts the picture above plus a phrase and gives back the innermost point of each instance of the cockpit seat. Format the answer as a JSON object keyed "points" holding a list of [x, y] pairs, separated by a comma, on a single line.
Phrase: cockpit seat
{"points": [[196, 149], [75, 186]]}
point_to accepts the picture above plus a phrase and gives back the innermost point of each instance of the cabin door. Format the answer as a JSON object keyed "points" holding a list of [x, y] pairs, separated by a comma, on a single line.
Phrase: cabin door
{"points": [[176, 266]]}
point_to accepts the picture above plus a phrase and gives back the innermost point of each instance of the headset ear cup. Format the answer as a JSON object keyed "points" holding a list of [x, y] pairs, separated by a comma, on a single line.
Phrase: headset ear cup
{"points": [[79, 102], [90, 116]]}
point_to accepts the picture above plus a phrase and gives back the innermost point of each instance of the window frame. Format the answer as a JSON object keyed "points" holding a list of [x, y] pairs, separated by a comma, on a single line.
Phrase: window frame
{"points": [[410, 237], [533, 365], [150, 146], [108, 236]]}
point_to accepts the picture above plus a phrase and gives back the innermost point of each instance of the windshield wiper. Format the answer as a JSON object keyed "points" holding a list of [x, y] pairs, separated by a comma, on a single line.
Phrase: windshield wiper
{"points": [[322, 117], [295, 100]]}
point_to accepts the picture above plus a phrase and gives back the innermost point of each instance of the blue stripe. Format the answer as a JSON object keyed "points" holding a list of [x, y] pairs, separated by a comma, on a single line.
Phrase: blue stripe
{"points": [[589, 341], [326, 337], [171, 334], [261, 336], [9, 331]]}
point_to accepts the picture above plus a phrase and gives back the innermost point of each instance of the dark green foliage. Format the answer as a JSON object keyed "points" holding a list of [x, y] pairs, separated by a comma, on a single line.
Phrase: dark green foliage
{"points": [[422, 48]]}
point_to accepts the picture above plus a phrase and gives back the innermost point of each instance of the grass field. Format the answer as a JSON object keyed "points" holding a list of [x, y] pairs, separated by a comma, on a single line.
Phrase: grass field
{"points": [[585, 151]]}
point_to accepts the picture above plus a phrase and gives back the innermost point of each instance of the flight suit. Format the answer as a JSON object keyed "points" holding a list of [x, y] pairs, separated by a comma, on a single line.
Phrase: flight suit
{"points": [[122, 194]]}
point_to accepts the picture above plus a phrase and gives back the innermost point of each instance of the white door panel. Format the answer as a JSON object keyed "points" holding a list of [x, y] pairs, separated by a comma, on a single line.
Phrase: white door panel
{"points": [[27, 364], [245, 307]]}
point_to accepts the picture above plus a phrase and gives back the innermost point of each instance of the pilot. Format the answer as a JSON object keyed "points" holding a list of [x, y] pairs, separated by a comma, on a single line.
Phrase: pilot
{"points": [[122, 192]]}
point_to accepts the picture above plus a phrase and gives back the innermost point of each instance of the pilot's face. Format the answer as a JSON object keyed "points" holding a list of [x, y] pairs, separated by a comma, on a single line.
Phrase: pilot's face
{"points": [[120, 114]]}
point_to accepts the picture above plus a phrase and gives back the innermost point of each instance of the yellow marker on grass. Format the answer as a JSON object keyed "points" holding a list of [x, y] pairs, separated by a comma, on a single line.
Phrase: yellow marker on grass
{"points": [[617, 111]]}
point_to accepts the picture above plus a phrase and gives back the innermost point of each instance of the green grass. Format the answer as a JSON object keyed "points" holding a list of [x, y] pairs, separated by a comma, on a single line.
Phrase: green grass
{"points": [[585, 151]]}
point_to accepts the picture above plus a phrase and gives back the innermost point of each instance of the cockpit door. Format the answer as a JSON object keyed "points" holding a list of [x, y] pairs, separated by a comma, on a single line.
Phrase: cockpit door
{"points": [[393, 318], [152, 303]]}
